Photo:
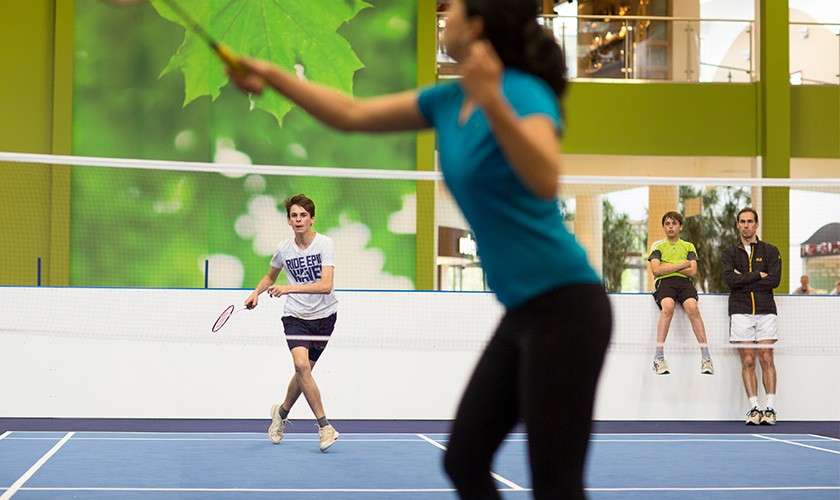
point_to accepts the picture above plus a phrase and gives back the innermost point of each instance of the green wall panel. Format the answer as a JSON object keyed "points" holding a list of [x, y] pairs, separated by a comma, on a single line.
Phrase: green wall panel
{"points": [[661, 119], [815, 121], [26, 44], [26, 86]]}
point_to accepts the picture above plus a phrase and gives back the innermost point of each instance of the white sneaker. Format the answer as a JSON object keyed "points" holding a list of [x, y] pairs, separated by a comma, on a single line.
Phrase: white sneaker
{"points": [[753, 416], [706, 367], [327, 436], [278, 425], [768, 417], [660, 366]]}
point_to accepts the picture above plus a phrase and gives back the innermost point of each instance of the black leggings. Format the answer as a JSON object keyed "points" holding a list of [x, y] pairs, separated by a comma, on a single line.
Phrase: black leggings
{"points": [[541, 366]]}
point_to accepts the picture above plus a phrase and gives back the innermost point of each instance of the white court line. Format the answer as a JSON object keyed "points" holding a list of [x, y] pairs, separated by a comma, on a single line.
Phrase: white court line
{"points": [[431, 441], [797, 444], [424, 490], [37, 465], [666, 441], [401, 440], [186, 436], [688, 434], [507, 482], [261, 490], [413, 434], [346, 440], [723, 488], [5, 434], [824, 438]]}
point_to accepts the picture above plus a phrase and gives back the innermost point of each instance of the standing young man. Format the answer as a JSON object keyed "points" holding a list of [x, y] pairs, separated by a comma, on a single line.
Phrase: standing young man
{"points": [[673, 262], [752, 269], [311, 309]]}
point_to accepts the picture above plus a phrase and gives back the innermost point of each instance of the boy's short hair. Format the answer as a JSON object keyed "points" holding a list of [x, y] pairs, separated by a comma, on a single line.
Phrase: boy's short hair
{"points": [[302, 201], [676, 216]]}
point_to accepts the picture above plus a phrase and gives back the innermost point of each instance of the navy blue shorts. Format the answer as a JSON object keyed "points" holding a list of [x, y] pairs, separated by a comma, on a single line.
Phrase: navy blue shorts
{"points": [[322, 326]]}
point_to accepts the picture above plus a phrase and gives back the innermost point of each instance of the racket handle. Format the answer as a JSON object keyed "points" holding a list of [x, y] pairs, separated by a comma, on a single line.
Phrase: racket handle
{"points": [[230, 59]]}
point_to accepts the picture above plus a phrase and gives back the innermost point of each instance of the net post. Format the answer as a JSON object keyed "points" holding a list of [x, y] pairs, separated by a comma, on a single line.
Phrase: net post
{"points": [[206, 273], [38, 278]]}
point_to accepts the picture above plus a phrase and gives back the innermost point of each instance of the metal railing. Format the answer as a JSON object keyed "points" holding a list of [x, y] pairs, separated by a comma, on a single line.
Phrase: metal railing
{"points": [[659, 48], [814, 53]]}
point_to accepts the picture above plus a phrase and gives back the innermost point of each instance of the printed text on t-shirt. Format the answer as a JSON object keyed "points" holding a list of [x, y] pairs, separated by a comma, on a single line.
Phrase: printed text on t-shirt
{"points": [[305, 269]]}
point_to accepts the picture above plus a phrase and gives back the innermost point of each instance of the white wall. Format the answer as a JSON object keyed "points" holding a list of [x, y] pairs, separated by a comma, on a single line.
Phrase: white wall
{"points": [[395, 355]]}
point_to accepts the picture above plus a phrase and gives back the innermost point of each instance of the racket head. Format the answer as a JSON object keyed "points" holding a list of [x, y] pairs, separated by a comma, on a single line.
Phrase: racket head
{"points": [[223, 318]]}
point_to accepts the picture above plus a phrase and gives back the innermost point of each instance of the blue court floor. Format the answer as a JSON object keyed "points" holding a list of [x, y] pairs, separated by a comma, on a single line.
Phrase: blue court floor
{"points": [[232, 465]]}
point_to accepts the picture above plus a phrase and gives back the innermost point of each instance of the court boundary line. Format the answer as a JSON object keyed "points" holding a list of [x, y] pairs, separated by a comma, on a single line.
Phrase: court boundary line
{"points": [[421, 490], [249, 490], [9, 433], [824, 438], [245, 440], [497, 477], [400, 440], [718, 488], [797, 444], [428, 433], [425, 433], [9, 493]]}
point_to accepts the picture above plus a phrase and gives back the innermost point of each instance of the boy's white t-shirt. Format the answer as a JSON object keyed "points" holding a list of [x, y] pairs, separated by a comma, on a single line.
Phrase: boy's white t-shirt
{"points": [[304, 266]]}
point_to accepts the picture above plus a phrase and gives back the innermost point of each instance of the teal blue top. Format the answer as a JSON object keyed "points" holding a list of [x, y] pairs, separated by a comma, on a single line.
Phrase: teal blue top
{"points": [[523, 244]]}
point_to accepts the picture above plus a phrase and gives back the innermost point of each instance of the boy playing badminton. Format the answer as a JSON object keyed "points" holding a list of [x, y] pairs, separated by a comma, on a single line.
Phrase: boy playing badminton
{"points": [[752, 269], [673, 262], [311, 309]]}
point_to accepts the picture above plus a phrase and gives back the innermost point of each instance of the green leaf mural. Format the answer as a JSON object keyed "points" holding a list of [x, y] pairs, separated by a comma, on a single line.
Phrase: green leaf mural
{"points": [[298, 36], [141, 228]]}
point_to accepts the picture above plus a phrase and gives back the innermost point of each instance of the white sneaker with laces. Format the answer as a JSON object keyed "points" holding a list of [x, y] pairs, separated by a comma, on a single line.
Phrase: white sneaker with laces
{"points": [[660, 366], [706, 367], [753, 416], [278, 425], [327, 436], [768, 417]]}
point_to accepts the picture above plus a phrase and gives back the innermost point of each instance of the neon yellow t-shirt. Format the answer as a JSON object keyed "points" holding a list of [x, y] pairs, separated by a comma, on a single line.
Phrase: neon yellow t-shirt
{"points": [[672, 253]]}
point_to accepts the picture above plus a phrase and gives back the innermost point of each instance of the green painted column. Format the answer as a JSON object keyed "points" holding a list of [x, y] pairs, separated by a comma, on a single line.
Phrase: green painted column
{"points": [[426, 74], [36, 39], [774, 109], [26, 47], [58, 268]]}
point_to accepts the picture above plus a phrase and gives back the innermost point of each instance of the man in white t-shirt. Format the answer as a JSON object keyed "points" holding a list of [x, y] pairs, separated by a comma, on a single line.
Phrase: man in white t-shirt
{"points": [[311, 310]]}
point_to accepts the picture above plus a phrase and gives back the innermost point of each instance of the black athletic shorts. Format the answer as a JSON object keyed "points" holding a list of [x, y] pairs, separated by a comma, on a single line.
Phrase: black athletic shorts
{"points": [[322, 326], [676, 287]]}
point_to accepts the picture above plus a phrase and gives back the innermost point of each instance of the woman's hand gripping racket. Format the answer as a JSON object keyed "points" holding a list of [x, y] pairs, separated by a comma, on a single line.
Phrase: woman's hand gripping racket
{"points": [[250, 303]]}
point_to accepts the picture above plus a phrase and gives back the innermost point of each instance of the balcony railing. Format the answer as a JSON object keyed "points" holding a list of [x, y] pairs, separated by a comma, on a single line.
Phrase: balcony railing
{"points": [[646, 48], [814, 53]]}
